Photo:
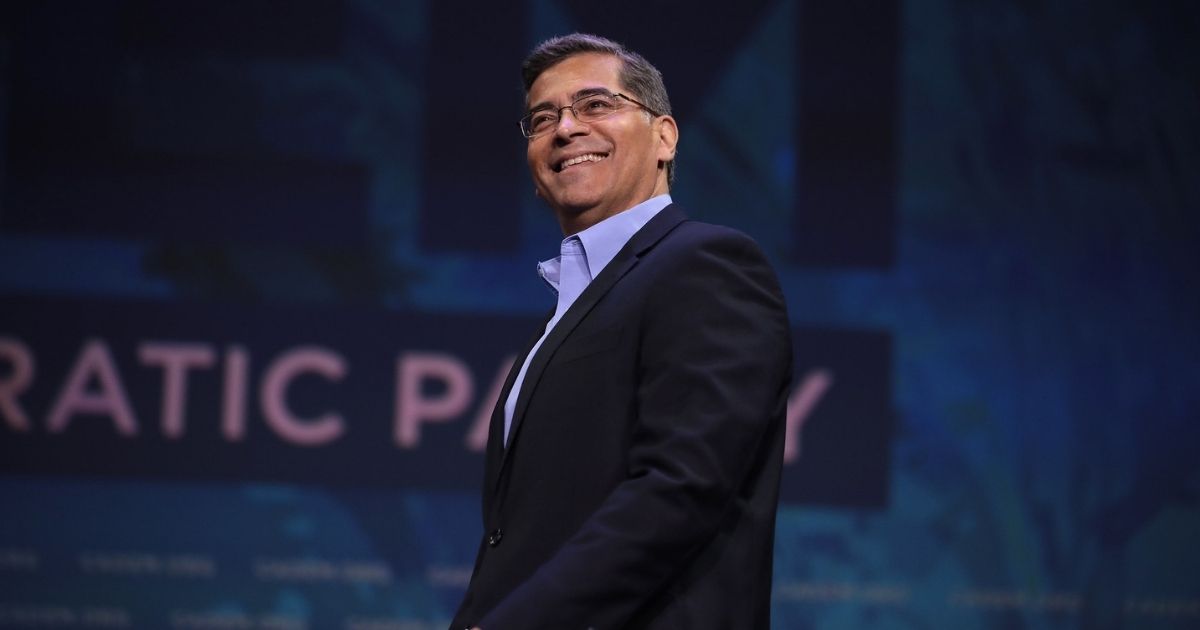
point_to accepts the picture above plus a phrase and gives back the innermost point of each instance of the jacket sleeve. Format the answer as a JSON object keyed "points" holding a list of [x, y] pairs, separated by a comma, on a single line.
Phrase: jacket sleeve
{"points": [[715, 362]]}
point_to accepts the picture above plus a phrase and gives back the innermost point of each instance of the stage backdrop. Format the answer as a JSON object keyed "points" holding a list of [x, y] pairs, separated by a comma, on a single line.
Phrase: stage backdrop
{"points": [[264, 265]]}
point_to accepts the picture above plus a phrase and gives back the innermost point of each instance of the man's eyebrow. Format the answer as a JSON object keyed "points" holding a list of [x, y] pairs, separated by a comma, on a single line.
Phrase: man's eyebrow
{"points": [[574, 97], [589, 92]]}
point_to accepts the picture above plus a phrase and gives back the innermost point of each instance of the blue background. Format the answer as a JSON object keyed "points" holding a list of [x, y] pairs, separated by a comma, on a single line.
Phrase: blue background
{"points": [[1005, 194]]}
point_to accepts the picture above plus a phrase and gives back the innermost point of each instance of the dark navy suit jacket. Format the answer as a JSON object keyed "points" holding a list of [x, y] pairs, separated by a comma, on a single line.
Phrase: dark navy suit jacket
{"points": [[639, 486]]}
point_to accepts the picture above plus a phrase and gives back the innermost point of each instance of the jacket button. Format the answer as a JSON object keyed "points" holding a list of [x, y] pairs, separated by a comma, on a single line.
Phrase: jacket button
{"points": [[494, 537]]}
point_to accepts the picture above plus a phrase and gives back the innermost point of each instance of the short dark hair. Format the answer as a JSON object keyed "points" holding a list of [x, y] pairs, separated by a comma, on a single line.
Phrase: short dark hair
{"points": [[637, 75]]}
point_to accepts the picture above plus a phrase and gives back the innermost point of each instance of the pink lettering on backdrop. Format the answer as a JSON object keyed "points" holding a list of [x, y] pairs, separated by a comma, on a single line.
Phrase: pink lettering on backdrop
{"points": [[175, 359], [17, 355], [413, 408], [233, 405], [94, 361], [800, 406], [477, 437], [273, 394]]}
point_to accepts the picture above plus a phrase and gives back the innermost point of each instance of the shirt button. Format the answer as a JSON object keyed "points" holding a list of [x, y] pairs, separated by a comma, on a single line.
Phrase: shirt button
{"points": [[494, 537]]}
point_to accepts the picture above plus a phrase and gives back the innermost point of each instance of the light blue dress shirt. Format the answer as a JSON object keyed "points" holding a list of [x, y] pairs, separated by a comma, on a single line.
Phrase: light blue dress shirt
{"points": [[582, 257]]}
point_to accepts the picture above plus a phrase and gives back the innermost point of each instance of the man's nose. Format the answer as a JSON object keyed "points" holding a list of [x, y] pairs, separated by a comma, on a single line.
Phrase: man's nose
{"points": [[569, 124]]}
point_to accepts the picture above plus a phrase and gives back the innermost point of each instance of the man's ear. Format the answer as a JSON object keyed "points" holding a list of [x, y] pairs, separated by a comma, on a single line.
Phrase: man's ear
{"points": [[668, 137]]}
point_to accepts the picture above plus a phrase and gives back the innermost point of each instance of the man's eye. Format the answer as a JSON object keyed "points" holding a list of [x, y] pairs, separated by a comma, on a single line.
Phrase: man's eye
{"points": [[598, 104], [542, 120]]}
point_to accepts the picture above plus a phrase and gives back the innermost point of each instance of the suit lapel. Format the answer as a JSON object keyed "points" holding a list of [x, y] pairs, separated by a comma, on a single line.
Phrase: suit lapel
{"points": [[625, 260], [495, 441]]}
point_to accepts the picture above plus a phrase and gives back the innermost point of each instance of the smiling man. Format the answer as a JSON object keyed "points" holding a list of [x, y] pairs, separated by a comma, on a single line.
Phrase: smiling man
{"points": [[633, 458]]}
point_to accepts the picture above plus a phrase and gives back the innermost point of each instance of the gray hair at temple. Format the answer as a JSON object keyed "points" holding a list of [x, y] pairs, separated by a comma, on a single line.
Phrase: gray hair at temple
{"points": [[637, 75]]}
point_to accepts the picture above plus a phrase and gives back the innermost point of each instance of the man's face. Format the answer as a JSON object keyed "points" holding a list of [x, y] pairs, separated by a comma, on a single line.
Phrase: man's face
{"points": [[621, 153]]}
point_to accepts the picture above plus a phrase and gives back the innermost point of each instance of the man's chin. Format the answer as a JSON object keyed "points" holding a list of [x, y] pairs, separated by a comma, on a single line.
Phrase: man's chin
{"points": [[574, 205], [578, 215]]}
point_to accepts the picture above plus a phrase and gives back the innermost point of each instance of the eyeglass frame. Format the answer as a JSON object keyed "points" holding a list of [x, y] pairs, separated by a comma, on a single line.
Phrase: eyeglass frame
{"points": [[558, 111]]}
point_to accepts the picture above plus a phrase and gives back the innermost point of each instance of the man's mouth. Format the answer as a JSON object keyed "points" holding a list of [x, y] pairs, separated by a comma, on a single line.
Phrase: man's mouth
{"points": [[580, 159]]}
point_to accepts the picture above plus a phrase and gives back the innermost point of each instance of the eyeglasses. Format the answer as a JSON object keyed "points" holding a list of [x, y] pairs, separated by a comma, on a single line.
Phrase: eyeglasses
{"points": [[586, 109]]}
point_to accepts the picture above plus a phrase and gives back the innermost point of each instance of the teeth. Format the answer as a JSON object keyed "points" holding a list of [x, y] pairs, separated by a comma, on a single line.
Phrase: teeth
{"points": [[587, 157]]}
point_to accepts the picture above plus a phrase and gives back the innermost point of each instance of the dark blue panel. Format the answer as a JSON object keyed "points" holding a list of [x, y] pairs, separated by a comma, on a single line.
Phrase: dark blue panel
{"points": [[284, 28], [845, 445], [111, 136], [191, 199], [847, 104], [366, 453], [844, 442], [473, 149]]}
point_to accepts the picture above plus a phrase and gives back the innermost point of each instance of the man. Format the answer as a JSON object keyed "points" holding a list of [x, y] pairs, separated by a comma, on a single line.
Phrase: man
{"points": [[634, 456]]}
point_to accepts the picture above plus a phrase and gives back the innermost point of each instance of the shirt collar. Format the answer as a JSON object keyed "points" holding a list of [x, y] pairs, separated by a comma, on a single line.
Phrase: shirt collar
{"points": [[602, 241]]}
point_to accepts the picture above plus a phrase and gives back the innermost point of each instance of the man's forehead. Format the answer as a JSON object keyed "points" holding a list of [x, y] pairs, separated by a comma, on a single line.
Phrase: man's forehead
{"points": [[576, 76]]}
